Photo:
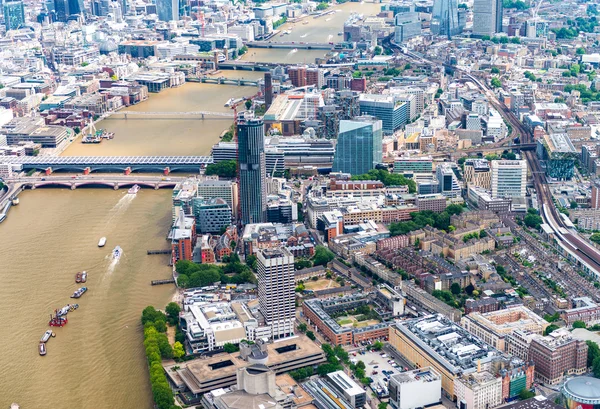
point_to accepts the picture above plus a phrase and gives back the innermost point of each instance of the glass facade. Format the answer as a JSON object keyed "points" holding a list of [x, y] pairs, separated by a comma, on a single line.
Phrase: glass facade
{"points": [[251, 159], [359, 146], [167, 10], [14, 15], [393, 115]]}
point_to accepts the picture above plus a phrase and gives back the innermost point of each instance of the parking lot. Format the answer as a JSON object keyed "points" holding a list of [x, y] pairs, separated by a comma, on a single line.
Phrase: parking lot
{"points": [[378, 367]]}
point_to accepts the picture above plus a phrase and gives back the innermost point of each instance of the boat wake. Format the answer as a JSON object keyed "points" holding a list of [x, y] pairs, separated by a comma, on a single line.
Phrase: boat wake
{"points": [[113, 261], [329, 37], [295, 50], [327, 19], [120, 208], [303, 35]]}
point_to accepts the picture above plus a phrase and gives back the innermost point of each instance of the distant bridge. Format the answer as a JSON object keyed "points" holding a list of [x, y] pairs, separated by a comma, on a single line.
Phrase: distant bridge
{"points": [[127, 164], [290, 45], [187, 114], [114, 182], [249, 65], [223, 81]]}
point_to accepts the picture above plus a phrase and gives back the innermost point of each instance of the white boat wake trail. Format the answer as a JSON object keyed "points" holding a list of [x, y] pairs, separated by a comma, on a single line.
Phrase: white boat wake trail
{"points": [[120, 208], [112, 264]]}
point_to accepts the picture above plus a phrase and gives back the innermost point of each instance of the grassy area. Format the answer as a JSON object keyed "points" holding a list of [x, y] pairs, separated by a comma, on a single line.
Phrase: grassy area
{"points": [[320, 284], [352, 320]]}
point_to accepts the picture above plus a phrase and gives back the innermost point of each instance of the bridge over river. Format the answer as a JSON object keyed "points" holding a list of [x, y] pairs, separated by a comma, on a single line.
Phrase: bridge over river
{"points": [[127, 164]]}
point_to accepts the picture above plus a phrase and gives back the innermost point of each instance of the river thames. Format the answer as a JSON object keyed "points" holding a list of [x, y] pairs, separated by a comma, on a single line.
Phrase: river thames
{"points": [[97, 360]]}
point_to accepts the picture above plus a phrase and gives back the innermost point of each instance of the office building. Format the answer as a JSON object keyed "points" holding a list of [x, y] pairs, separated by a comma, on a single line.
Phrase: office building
{"points": [[509, 178], [477, 173], [211, 214], [253, 193], [359, 145], [434, 202], [449, 186], [212, 188], [206, 374], [183, 238], [437, 342], [14, 15], [558, 154], [556, 355], [414, 389], [479, 390], [167, 10], [393, 113], [318, 312], [268, 89], [353, 393], [584, 309], [407, 26], [445, 18], [409, 166], [487, 17], [275, 273], [493, 327]]}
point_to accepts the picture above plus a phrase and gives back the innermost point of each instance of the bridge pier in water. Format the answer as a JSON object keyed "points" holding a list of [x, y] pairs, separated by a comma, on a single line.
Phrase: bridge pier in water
{"points": [[127, 170], [48, 171], [87, 171], [166, 171], [73, 186]]}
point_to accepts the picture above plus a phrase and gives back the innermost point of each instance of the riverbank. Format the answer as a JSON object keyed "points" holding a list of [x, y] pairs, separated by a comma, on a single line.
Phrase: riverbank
{"points": [[99, 356]]}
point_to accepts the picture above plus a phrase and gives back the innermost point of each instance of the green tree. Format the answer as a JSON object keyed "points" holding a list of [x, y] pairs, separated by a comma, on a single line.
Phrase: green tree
{"points": [[150, 314], [230, 348], [495, 70], [160, 326], [163, 395], [322, 256], [454, 209], [593, 352], [382, 405], [533, 221], [183, 281], [595, 238], [579, 324], [178, 350], [311, 335], [496, 83], [248, 103], [550, 328], [455, 288], [580, 51], [526, 394], [173, 310], [377, 346], [377, 50], [224, 169], [322, 6], [302, 327], [596, 367]]}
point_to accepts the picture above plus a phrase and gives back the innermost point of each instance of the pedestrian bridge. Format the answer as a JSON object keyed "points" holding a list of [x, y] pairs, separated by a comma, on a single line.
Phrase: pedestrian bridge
{"points": [[125, 164], [291, 44], [171, 115]]}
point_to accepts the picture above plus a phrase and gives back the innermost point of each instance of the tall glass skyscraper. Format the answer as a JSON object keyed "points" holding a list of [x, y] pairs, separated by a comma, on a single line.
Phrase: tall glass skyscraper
{"points": [[251, 154], [487, 17], [14, 15], [359, 145], [167, 10], [445, 15]]}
